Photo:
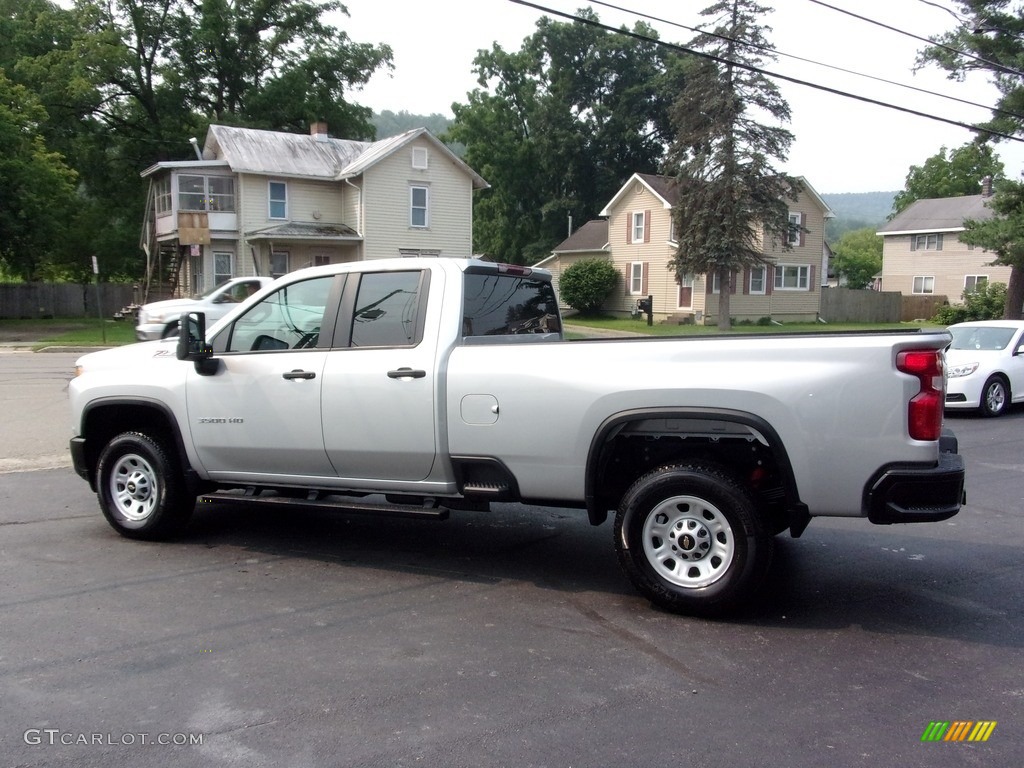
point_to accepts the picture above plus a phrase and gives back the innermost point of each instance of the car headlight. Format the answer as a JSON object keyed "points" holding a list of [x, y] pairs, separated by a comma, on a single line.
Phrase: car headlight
{"points": [[964, 369]]}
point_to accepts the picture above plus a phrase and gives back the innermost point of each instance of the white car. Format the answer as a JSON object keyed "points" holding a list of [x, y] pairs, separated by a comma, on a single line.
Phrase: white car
{"points": [[985, 366], [159, 319]]}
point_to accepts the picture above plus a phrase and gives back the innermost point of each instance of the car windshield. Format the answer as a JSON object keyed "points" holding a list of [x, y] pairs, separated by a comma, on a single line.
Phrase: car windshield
{"points": [[975, 337], [209, 291]]}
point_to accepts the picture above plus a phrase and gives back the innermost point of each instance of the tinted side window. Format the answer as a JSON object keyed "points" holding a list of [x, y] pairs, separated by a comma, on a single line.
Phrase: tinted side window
{"points": [[508, 304], [386, 311], [289, 318]]}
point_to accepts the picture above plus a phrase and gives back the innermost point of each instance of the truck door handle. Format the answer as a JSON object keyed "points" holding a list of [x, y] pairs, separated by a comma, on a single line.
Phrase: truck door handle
{"points": [[406, 373], [297, 374]]}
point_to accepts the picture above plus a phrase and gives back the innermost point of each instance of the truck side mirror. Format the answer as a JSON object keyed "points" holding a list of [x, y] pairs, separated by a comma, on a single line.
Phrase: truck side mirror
{"points": [[192, 343]]}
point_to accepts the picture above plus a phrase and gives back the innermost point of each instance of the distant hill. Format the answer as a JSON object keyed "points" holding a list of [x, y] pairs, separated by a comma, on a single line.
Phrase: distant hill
{"points": [[855, 210]]}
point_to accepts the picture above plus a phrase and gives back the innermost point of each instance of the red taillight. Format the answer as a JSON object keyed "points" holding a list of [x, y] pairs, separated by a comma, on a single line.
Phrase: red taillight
{"points": [[924, 417]]}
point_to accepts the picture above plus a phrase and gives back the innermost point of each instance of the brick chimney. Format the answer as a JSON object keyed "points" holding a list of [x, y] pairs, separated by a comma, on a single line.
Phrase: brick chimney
{"points": [[986, 187], [318, 130]]}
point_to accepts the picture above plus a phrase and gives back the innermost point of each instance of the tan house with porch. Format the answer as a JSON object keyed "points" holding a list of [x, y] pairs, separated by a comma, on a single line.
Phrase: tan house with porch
{"points": [[266, 203], [636, 235], [922, 254]]}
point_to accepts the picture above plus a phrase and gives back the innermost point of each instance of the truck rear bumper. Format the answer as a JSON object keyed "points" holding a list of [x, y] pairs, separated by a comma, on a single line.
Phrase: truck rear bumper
{"points": [[902, 494]]}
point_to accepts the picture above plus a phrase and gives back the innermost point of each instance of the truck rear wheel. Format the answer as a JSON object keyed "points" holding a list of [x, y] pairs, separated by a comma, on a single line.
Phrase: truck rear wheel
{"points": [[690, 539], [141, 490]]}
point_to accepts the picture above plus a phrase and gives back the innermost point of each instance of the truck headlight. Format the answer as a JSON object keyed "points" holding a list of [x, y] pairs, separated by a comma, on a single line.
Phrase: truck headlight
{"points": [[964, 369]]}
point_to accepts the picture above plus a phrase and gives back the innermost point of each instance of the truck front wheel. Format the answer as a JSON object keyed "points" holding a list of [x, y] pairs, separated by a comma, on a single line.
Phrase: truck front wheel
{"points": [[141, 491], [690, 540]]}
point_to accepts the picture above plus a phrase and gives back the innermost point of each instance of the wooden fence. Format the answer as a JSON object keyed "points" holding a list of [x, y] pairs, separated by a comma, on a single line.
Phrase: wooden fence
{"points": [[39, 300], [845, 305]]}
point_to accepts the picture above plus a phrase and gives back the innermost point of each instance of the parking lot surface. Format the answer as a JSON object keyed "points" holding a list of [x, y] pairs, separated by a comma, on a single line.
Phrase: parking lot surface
{"points": [[509, 638]]}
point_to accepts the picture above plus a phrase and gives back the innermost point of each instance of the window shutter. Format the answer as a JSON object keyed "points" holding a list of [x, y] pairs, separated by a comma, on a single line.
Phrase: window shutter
{"points": [[647, 235], [629, 227], [733, 278], [913, 242], [801, 221], [643, 278], [810, 283], [938, 242], [629, 277], [746, 281], [769, 278], [709, 283]]}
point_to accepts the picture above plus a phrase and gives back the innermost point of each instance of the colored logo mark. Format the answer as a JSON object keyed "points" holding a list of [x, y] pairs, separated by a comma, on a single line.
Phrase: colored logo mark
{"points": [[958, 730]]}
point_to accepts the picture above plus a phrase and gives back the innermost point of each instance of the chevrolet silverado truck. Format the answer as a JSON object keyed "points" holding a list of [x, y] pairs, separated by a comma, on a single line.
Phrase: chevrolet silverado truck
{"points": [[418, 386]]}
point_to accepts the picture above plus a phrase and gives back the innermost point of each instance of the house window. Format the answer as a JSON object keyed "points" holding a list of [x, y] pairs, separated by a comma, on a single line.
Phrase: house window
{"points": [[636, 278], [924, 284], [796, 222], [792, 277], [932, 242], [757, 279], [419, 158], [162, 194], [973, 283], [221, 268], [321, 261], [638, 227], [205, 193], [716, 286], [220, 193], [419, 207], [277, 194], [278, 263]]}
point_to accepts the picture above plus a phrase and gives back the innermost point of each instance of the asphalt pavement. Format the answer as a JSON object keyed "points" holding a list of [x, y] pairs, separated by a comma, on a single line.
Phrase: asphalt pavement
{"points": [[509, 638]]}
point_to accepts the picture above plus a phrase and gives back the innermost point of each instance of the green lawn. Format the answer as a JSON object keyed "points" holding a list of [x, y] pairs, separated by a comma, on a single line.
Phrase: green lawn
{"points": [[65, 331], [659, 329]]}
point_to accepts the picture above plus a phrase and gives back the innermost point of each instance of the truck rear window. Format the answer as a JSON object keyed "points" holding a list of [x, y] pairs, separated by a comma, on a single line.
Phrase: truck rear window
{"points": [[503, 305]]}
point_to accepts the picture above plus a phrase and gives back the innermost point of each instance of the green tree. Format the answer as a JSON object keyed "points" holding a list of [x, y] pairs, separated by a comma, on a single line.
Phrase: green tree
{"points": [[586, 284], [1003, 235], [950, 173], [730, 192], [557, 127], [36, 188], [858, 257]]}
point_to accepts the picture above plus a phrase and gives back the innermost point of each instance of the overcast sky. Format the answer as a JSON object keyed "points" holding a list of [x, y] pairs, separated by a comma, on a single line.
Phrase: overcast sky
{"points": [[842, 145]]}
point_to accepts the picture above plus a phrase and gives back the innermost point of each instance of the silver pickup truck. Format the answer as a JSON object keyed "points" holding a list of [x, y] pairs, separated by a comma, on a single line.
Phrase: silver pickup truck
{"points": [[417, 386]]}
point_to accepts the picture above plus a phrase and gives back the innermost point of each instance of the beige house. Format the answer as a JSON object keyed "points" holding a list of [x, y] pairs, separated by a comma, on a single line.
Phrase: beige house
{"points": [[922, 254], [636, 235], [266, 203]]}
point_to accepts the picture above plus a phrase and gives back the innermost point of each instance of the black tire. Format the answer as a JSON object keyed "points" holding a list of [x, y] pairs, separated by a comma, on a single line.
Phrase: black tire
{"points": [[141, 490], [723, 548], [995, 396]]}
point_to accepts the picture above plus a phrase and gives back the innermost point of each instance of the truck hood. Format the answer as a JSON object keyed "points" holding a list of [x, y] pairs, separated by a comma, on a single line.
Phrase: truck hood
{"points": [[169, 305], [129, 355]]}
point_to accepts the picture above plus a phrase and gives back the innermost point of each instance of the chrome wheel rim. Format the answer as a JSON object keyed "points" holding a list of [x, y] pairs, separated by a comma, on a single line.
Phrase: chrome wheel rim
{"points": [[688, 542], [133, 487], [995, 397]]}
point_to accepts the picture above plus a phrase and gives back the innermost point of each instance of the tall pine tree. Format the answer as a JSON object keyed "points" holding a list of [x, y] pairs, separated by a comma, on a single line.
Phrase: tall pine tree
{"points": [[732, 200]]}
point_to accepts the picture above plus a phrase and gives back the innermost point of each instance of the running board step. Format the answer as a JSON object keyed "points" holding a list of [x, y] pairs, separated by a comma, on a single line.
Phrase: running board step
{"points": [[354, 507]]}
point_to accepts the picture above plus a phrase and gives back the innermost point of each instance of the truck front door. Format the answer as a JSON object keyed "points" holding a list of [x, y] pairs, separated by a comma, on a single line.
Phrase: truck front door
{"points": [[260, 413]]}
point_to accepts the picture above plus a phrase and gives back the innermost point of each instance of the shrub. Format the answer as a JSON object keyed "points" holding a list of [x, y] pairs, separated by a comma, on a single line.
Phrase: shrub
{"points": [[586, 284], [985, 303]]}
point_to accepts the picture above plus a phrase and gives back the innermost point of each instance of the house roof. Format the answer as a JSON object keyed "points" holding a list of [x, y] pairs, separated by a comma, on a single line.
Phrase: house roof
{"points": [[304, 156], [303, 231], [592, 236], [666, 188], [938, 214]]}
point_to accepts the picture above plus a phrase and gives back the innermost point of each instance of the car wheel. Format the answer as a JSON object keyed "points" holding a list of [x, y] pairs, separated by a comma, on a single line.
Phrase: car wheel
{"points": [[141, 490], [690, 539], [995, 396]]}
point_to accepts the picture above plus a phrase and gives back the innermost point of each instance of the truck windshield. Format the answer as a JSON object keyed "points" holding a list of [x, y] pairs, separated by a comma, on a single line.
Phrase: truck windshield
{"points": [[502, 304]]}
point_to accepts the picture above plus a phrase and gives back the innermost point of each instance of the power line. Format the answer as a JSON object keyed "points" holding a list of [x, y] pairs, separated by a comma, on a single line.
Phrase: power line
{"points": [[767, 73], [951, 49], [775, 51]]}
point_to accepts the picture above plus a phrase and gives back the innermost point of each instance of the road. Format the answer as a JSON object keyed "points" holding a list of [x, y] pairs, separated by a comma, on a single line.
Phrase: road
{"points": [[502, 639]]}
